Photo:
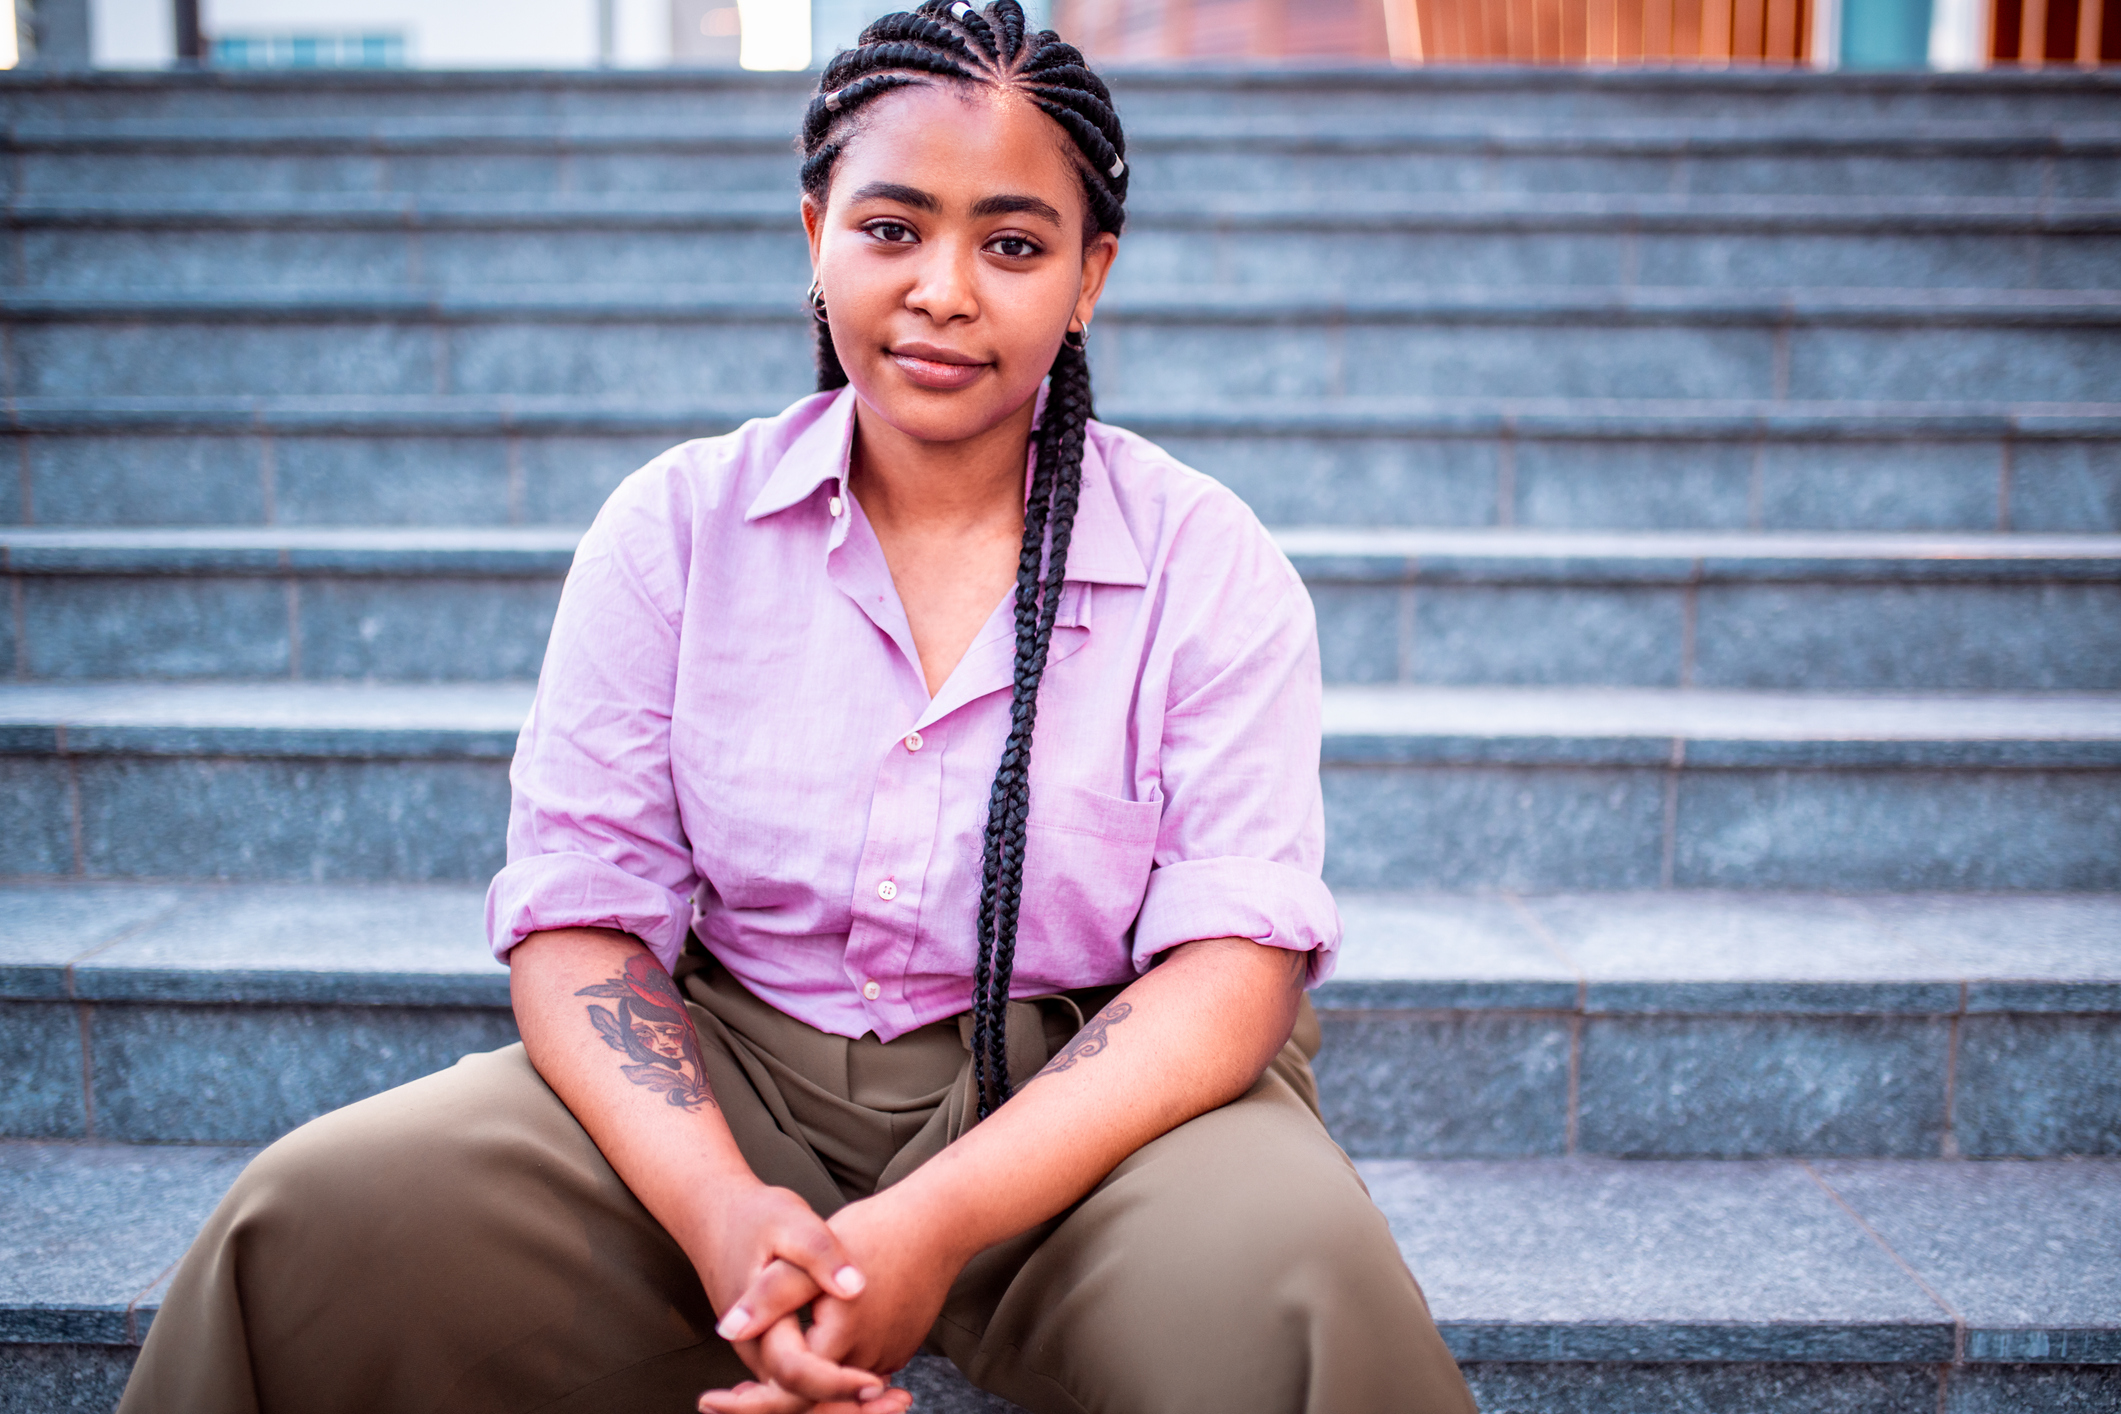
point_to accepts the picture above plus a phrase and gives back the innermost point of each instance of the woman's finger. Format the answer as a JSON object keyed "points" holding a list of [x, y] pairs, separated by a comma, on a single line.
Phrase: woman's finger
{"points": [[781, 1289], [751, 1397], [783, 1356], [816, 1249]]}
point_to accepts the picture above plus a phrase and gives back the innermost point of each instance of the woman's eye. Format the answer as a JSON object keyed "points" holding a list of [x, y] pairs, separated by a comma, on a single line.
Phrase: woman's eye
{"points": [[891, 232], [1013, 247]]}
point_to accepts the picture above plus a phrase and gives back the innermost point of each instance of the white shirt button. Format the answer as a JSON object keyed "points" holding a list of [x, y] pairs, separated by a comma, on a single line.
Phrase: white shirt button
{"points": [[871, 991], [835, 505], [913, 741], [887, 891]]}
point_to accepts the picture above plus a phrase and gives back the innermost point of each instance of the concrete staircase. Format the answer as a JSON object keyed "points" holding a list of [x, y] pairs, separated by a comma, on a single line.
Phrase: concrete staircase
{"points": [[1710, 487]]}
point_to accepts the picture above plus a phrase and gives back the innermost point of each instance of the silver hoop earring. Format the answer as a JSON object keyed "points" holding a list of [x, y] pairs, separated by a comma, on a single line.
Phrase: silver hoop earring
{"points": [[817, 302], [1076, 340]]}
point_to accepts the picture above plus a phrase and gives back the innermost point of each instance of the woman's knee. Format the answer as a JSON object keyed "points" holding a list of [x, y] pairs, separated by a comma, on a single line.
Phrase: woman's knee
{"points": [[421, 1144]]}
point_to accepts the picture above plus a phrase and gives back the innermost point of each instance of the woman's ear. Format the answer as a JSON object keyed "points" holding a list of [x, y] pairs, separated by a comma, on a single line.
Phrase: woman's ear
{"points": [[1097, 264], [813, 227]]}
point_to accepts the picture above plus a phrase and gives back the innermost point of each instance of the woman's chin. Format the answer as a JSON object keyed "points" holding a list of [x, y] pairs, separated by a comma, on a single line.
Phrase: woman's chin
{"points": [[941, 416]]}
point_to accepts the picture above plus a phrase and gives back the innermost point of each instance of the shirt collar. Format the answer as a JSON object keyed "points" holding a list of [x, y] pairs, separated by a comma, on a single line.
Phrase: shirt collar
{"points": [[1100, 551], [817, 455]]}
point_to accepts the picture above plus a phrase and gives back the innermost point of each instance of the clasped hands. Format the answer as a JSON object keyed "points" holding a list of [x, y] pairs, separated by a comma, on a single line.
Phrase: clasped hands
{"points": [[874, 1282]]}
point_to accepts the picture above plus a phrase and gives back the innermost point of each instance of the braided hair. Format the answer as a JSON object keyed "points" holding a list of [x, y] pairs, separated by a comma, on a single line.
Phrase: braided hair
{"points": [[953, 41]]}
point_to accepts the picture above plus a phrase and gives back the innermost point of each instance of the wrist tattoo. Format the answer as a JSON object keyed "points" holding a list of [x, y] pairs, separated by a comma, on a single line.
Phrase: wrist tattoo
{"points": [[1094, 1037], [650, 1026]]}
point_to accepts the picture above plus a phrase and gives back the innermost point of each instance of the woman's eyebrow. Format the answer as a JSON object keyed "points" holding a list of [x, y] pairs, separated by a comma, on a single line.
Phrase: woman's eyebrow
{"points": [[1005, 205], [903, 195]]}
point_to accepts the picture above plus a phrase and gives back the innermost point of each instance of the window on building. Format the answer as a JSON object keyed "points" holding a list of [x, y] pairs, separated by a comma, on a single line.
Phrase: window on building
{"points": [[366, 50]]}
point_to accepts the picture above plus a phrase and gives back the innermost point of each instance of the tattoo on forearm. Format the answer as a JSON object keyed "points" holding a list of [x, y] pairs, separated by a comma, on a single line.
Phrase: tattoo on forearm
{"points": [[1094, 1037], [650, 1026]]}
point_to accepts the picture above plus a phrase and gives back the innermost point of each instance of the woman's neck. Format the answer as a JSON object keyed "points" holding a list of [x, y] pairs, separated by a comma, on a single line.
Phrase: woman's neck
{"points": [[931, 488], [950, 521]]}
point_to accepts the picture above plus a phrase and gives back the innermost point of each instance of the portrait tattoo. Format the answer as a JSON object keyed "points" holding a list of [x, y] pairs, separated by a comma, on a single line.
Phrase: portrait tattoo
{"points": [[1094, 1037], [649, 1025]]}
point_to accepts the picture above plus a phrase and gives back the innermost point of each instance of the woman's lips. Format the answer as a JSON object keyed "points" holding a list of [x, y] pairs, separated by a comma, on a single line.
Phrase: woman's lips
{"points": [[931, 372]]}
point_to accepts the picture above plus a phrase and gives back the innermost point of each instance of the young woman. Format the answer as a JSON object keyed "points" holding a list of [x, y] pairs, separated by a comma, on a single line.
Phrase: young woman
{"points": [[948, 761]]}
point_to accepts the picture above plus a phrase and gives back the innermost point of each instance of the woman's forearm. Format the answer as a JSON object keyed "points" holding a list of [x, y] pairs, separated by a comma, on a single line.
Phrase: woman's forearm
{"points": [[1192, 1034], [581, 995]]}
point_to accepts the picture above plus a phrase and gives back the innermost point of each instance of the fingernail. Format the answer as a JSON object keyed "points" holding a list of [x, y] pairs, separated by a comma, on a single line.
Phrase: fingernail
{"points": [[850, 1280], [735, 1321], [873, 1392]]}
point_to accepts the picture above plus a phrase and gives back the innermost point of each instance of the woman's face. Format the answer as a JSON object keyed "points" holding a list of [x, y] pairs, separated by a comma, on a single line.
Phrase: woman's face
{"points": [[665, 1038], [950, 252]]}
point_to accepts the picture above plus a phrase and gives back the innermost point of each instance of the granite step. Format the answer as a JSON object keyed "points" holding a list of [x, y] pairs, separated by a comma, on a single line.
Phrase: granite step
{"points": [[1371, 103], [1974, 161], [1306, 241], [1592, 1286], [1551, 463], [1538, 788], [1821, 611], [1499, 1025], [1174, 346]]}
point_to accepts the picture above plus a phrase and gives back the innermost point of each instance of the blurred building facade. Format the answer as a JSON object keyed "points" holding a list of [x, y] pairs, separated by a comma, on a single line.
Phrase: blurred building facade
{"points": [[1871, 34], [1876, 34]]}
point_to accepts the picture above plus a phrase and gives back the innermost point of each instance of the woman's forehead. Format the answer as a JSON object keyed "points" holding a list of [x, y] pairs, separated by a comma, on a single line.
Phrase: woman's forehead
{"points": [[959, 142]]}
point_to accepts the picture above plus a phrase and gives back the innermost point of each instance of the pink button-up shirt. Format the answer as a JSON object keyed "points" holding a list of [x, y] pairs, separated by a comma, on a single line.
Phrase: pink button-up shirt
{"points": [[733, 735]]}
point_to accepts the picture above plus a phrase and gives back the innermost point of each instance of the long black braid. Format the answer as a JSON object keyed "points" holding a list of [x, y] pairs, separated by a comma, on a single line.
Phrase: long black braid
{"points": [[956, 42]]}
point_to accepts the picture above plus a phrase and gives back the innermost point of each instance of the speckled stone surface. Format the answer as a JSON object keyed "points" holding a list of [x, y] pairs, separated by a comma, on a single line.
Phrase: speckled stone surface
{"points": [[40, 1054], [1617, 635], [1734, 1087], [1586, 1259], [1464, 1084], [425, 630], [248, 1074], [1898, 830], [131, 479], [2033, 1389], [39, 838], [1435, 950], [164, 627], [87, 1230], [44, 927], [1493, 827], [2040, 1084], [63, 1379], [1750, 1387], [1908, 637], [1724, 952], [2066, 486], [2028, 1254], [1645, 484], [1350, 480], [2021, 954], [419, 943], [391, 481], [938, 1388], [319, 820], [1898, 484]]}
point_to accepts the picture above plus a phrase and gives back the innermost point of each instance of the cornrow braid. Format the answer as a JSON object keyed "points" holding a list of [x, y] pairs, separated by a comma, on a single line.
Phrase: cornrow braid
{"points": [[954, 41]]}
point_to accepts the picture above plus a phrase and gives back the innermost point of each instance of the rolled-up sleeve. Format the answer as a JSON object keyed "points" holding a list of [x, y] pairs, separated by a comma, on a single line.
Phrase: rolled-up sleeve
{"points": [[594, 834], [1242, 839]]}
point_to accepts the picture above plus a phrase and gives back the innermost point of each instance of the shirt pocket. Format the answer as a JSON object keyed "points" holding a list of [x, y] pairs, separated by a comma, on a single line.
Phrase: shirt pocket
{"points": [[1086, 867]]}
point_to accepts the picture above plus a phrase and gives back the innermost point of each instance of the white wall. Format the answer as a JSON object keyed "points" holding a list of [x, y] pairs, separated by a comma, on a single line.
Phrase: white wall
{"points": [[1959, 34], [459, 33], [132, 34], [447, 34], [641, 34]]}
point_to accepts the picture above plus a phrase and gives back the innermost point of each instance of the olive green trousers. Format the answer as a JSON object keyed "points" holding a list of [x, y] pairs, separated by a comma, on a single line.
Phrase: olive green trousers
{"points": [[459, 1244]]}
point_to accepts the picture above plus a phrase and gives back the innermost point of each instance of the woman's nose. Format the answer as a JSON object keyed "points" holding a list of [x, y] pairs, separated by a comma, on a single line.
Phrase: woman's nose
{"points": [[944, 289]]}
